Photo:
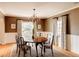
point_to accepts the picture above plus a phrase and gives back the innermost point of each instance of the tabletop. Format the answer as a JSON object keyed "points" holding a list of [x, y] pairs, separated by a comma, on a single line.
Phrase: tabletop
{"points": [[38, 39]]}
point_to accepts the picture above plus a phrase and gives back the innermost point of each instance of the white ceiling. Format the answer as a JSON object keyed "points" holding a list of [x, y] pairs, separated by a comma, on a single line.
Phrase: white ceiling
{"points": [[43, 9]]}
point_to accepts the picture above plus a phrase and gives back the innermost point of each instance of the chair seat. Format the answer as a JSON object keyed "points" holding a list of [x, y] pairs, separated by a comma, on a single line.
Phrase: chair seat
{"points": [[27, 47], [47, 46]]}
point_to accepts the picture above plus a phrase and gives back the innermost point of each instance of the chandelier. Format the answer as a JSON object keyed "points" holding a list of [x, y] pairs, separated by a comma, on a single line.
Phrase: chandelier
{"points": [[36, 20], [35, 17], [34, 13]]}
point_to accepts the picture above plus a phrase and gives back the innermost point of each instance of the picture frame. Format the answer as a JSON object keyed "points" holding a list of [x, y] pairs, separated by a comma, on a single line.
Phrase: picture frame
{"points": [[13, 26]]}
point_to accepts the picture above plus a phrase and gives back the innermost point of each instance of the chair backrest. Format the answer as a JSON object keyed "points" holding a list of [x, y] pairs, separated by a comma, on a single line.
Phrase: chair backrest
{"points": [[17, 39], [50, 39], [21, 41]]}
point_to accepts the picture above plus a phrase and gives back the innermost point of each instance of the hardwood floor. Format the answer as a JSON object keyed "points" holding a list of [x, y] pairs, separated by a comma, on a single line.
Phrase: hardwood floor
{"points": [[9, 50]]}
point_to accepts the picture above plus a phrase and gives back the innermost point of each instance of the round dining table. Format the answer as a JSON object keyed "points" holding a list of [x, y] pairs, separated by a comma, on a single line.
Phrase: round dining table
{"points": [[38, 41], [41, 41]]}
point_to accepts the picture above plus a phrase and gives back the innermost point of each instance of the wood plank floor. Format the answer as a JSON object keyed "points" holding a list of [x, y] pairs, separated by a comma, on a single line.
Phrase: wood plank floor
{"points": [[9, 50]]}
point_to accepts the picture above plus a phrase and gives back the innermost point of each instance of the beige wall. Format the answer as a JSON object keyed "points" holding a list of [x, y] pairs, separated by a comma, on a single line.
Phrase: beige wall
{"points": [[1, 27], [73, 18], [74, 21], [49, 24], [73, 36], [5, 37]]}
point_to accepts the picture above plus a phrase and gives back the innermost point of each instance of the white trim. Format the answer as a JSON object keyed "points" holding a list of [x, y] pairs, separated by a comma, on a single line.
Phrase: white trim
{"points": [[39, 0], [77, 6]]}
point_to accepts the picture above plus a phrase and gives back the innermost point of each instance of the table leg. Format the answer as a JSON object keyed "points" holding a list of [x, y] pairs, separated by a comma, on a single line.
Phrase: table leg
{"points": [[44, 50], [41, 49], [37, 49]]}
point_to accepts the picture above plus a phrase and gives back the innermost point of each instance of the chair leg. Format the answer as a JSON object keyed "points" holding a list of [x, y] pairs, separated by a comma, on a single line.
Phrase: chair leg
{"points": [[52, 51], [44, 51], [24, 52], [30, 51], [19, 53], [41, 51], [16, 49]]}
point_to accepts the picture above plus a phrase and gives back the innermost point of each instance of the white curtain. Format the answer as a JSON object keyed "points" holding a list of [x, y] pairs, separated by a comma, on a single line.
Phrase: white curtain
{"points": [[64, 19], [60, 32], [19, 26], [55, 31]]}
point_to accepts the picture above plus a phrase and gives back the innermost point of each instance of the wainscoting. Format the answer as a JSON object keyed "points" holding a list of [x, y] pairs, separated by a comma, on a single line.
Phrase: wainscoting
{"points": [[8, 38], [73, 43]]}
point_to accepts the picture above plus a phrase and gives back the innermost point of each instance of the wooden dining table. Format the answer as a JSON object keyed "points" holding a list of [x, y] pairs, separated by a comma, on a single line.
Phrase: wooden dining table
{"points": [[41, 41], [38, 41]]}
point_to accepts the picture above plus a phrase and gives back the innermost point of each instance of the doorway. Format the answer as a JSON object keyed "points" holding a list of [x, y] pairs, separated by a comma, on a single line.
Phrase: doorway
{"points": [[27, 30]]}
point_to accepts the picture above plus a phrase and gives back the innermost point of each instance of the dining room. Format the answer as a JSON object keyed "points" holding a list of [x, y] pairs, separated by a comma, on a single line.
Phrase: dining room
{"points": [[39, 29]]}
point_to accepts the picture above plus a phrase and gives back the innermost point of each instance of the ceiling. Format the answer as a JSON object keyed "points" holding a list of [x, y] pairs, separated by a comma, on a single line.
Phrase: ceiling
{"points": [[43, 9]]}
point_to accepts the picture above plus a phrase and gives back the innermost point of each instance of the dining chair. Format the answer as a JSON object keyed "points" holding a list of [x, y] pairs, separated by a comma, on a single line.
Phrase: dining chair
{"points": [[17, 43], [49, 45], [23, 46]]}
